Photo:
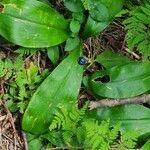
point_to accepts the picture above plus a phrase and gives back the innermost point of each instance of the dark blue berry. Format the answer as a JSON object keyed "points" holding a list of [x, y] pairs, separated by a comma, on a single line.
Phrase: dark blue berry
{"points": [[82, 60]]}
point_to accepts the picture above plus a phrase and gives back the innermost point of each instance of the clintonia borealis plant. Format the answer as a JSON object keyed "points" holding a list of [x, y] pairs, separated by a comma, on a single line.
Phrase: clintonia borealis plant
{"points": [[35, 24]]}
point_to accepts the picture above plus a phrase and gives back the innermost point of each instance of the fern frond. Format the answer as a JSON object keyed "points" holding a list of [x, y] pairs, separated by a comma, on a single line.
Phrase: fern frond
{"points": [[67, 137], [56, 124], [80, 134], [64, 119], [75, 129], [6, 66], [138, 33], [97, 135], [128, 139], [68, 122]]}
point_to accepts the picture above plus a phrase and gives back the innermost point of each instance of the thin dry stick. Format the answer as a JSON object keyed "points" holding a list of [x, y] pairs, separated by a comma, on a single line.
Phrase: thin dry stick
{"points": [[1, 146], [69, 148], [116, 102], [12, 123], [25, 140], [4, 135], [133, 53]]}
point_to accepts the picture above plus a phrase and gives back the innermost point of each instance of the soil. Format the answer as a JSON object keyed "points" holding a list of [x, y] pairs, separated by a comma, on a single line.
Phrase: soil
{"points": [[11, 137]]}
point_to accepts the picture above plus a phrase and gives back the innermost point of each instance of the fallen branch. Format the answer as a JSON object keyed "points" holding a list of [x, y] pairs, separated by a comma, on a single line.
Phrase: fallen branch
{"points": [[116, 102]]}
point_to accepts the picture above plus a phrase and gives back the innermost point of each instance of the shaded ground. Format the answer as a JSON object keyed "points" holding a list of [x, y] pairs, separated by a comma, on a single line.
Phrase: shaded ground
{"points": [[11, 137]]}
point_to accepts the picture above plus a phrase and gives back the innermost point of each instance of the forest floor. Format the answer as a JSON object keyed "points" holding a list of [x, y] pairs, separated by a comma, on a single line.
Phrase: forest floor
{"points": [[11, 135]]}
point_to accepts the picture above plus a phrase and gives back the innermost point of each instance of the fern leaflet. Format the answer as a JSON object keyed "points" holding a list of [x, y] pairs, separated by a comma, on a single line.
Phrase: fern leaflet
{"points": [[138, 33]]}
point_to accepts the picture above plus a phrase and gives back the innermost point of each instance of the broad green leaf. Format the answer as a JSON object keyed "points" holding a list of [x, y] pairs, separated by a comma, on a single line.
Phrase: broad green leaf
{"points": [[72, 43], [113, 6], [54, 137], [74, 5], [60, 89], [32, 24], [93, 27], [110, 59], [44, 1], [102, 12], [75, 26], [78, 16], [125, 81], [98, 11], [131, 117], [34, 142], [146, 146], [53, 54], [76, 22]]}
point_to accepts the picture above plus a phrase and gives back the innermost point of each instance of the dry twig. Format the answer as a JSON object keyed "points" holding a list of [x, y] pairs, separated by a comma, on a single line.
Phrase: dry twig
{"points": [[12, 123], [133, 53], [116, 102]]}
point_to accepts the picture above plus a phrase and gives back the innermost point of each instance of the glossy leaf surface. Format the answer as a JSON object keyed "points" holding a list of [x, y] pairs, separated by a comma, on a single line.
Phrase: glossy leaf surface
{"points": [[113, 6], [44, 1], [131, 117], [72, 43], [98, 11], [125, 81], [53, 54], [110, 59], [146, 146], [60, 89], [74, 5], [93, 27], [32, 24], [102, 12], [75, 26]]}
